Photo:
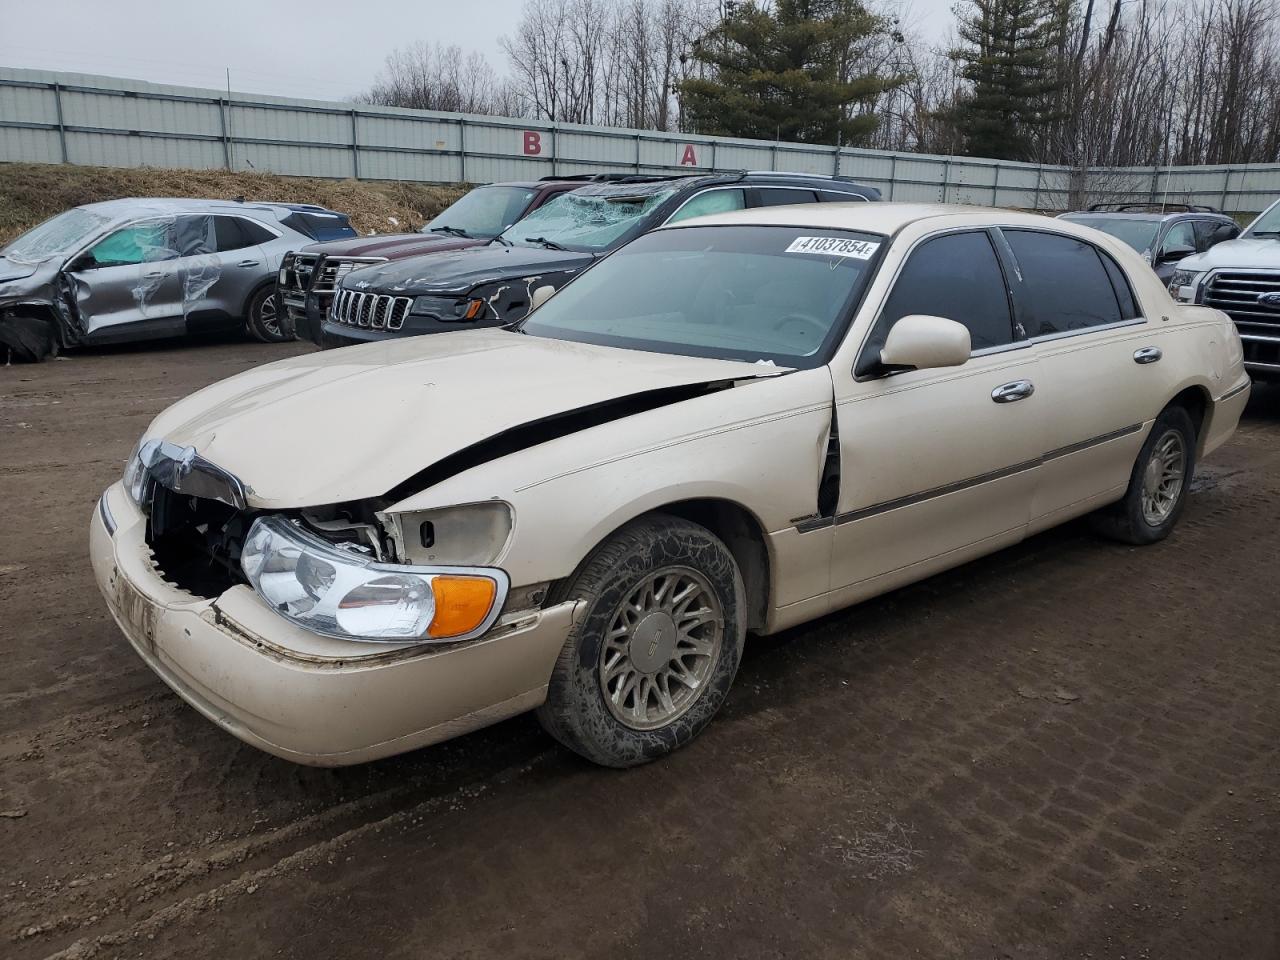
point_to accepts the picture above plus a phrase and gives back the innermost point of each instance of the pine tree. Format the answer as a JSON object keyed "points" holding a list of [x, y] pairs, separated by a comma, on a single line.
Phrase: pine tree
{"points": [[779, 74], [1010, 55]]}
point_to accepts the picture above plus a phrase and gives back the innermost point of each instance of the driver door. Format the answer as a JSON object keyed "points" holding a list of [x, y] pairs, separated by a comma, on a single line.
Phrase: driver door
{"points": [[128, 277], [936, 465]]}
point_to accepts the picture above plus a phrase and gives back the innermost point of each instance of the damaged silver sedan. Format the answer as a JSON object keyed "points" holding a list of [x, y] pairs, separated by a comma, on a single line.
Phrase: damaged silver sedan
{"points": [[730, 426], [137, 269]]}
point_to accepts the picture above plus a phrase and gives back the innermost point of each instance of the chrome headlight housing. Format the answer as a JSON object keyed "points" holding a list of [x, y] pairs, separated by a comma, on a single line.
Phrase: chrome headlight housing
{"points": [[344, 593], [1184, 284], [135, 470]]}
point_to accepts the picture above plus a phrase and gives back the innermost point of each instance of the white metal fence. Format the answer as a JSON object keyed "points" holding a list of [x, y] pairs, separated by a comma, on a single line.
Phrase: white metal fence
{"points": [[48, 117]]}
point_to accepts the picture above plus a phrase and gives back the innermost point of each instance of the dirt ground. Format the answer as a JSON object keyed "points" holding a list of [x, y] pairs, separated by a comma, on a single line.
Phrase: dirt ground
{"points": [[1066, 750]]}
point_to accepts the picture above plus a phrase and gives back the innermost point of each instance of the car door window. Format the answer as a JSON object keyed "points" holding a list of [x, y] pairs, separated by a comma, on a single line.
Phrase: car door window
{"points": [[1210, 232], [1182, 235], [956, 276], [146, 242], [780, 196], [1065, 284], [708, 202], [236, 233]]}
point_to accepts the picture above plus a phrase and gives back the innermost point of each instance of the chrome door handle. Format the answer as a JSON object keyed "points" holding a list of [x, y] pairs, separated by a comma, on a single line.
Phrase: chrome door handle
{"points": [[1009, 392], [247, 263], [1147, 355]]}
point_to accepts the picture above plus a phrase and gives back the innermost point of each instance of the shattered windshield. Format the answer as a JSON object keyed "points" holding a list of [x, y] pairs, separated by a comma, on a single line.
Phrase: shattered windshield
{"points": [[1139, 234], [592, 219], [64, 233], [754, 293], [484, 212]]}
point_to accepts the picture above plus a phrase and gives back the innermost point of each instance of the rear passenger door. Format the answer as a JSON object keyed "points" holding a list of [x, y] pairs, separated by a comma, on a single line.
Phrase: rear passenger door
{"points": [[241, 264], [1101, 378], [937, 465]]}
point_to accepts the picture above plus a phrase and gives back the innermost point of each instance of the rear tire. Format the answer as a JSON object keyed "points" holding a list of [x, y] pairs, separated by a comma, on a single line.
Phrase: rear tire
{"points": [[264, 320], [1158, 485], [651, 658]]}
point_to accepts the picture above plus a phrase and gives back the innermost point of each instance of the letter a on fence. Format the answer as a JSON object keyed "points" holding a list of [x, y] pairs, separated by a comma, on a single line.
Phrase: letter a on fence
{"points": [[688, 158]]}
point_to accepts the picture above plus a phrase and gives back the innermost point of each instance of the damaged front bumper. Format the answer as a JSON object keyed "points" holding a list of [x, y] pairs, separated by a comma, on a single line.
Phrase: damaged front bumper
{"points": [[303, 697]]}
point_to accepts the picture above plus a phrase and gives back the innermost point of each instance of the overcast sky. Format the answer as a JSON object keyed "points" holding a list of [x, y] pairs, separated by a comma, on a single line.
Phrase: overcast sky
{"points": [[325, 49]]}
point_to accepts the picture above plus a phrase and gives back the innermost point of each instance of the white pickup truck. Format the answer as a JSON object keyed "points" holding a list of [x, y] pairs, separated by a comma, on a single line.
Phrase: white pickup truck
{"points": [[1242, 278]]}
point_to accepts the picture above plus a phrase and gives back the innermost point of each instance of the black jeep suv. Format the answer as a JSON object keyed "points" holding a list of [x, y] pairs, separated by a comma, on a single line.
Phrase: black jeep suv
{"points": [[493, 285]]}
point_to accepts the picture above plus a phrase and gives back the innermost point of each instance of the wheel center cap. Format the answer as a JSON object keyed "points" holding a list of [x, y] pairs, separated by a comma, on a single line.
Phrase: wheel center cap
{"points": [[653, 642]]}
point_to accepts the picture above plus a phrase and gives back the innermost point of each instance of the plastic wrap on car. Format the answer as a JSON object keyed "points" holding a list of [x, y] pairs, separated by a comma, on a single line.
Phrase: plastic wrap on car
{"points": [[192, 239], [197, 244]]}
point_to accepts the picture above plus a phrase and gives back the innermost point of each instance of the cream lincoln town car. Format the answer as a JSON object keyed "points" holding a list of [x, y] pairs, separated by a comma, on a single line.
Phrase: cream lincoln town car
{"points": [[729, 426]]}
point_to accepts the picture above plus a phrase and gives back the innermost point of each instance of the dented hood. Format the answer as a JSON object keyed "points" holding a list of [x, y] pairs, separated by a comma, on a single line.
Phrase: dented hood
{"points": [[15, 269], [459, 271], [393, 245], [353, 423]]}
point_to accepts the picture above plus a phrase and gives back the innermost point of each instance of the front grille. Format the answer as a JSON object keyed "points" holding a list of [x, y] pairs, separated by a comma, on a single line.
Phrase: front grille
{"points": [[333, 269], [1236, 293], [374, 311]]}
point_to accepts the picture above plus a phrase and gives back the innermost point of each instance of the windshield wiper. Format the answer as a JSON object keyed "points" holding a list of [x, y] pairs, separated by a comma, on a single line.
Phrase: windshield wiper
{"points": [[503, 240], [452, 231], [544, 242], [1265, 233]]}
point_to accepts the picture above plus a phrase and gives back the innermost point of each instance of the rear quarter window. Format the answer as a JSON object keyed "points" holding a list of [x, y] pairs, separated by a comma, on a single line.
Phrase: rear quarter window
{"points": [[320, 226]]}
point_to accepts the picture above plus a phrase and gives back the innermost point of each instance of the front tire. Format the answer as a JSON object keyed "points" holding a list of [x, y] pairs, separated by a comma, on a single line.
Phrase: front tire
{"points": [[650, 661], [1157, 492], [264, 320]]}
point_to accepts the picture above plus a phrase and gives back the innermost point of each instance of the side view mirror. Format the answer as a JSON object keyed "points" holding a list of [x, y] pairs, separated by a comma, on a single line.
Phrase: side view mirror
{"points": [[1174, 254], [925, 342], [541, 296]]}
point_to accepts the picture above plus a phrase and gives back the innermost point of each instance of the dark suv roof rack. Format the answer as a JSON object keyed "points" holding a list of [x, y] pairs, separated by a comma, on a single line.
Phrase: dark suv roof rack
{"points": [[616, 177], [1149, 207]]}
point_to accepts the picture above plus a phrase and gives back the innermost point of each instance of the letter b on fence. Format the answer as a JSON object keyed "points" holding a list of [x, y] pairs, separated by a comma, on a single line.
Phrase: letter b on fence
{"points": [[532, 143]]}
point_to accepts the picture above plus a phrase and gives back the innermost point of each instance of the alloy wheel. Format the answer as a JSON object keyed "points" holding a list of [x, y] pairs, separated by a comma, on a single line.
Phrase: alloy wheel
{"points": [[1163, 478], [661, 647]]}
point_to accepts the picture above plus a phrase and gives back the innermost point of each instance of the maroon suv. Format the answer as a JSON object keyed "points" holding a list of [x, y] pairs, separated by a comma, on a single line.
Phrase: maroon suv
{"points": [[309, 276]]}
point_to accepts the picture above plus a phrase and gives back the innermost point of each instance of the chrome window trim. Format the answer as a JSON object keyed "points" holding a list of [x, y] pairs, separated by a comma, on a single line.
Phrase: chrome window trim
{"points": [[1016, 344], [844, 193]]}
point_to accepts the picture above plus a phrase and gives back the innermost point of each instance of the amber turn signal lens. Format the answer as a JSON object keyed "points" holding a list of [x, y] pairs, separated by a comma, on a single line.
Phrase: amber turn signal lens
{"points": [[462, 604], [473, 309]]}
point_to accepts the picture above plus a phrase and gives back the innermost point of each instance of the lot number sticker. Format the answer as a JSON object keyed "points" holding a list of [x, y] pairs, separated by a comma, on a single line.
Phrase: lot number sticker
{"points": [[834, 246]]}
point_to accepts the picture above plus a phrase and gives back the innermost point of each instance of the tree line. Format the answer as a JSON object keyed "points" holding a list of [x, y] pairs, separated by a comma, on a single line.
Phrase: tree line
{"points": [[1087, 83]]}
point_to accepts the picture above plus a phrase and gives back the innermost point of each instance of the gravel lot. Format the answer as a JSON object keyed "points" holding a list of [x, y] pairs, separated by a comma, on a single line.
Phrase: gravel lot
{"points": [[1066, 750]]}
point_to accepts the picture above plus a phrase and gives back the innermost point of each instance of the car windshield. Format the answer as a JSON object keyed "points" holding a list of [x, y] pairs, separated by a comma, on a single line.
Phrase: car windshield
{"points": [[1267, 225], [484, 212], [1139, 234], [753, 293], [592, 219], [62, 234]]}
